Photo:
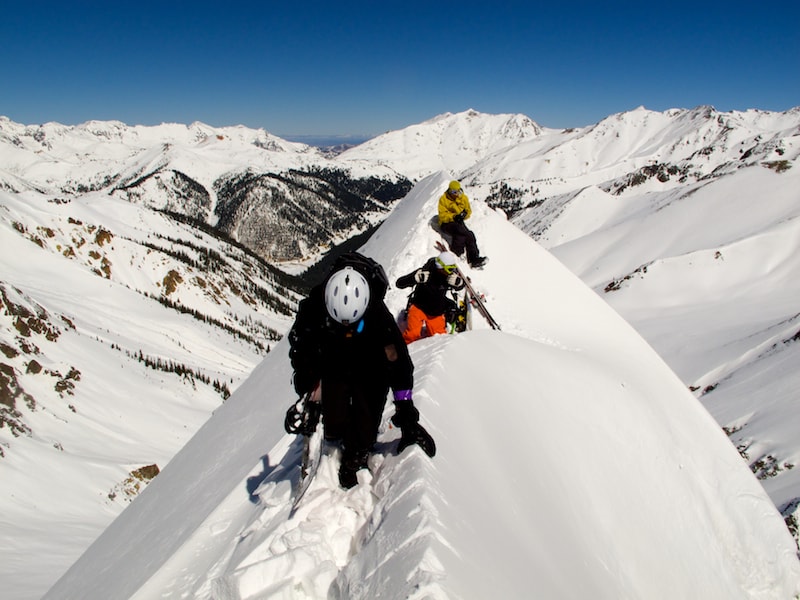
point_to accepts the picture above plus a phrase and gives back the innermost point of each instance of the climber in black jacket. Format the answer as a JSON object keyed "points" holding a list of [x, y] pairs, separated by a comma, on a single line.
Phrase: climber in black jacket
{"points": [[346, 344]]}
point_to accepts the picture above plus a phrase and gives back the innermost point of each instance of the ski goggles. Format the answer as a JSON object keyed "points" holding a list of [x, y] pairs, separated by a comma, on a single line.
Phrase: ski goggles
{"points": [[446, 268], [454, 193]]}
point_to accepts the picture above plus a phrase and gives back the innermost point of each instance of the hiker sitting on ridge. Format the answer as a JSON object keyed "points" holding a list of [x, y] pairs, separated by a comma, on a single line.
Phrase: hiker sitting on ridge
{"points": [[454, 209]]}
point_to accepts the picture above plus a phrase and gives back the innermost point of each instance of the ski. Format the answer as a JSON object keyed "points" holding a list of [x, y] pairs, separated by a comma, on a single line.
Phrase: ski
{"points": [[468, 308], [312, 456], [475, 298], [303, 419]]}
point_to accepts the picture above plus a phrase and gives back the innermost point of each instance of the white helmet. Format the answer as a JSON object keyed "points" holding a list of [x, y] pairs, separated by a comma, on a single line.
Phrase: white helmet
{"points": [[347, 295], [446, 261]]}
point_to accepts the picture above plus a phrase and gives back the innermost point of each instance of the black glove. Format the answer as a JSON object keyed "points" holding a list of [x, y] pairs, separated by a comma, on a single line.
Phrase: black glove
{"points": [[302, 422], [405, 413], [406, 417], [417, 434], [459, 218]]}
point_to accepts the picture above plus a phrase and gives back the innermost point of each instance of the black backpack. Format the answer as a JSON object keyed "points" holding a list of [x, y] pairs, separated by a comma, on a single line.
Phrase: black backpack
{"points": [[371, 269]]}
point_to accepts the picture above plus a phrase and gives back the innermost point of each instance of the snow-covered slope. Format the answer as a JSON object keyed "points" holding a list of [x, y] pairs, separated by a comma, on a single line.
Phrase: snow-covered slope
{"points": [[687, 217], [572, 463], [685, 221], [448, 142], [121, 330], [54, 154], [285, 201], [708, 270]]}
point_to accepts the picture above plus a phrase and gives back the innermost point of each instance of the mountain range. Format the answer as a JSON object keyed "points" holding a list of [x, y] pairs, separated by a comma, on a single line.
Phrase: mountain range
{"points": [[148, 270]]}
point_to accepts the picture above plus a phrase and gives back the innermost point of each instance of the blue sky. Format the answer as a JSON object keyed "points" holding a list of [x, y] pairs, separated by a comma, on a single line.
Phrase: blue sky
{"points": [[363, 68]]}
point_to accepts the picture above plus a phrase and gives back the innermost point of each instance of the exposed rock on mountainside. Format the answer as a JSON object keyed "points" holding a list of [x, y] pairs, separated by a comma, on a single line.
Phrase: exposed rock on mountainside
{"points": [[287, 216], [285, 201]]}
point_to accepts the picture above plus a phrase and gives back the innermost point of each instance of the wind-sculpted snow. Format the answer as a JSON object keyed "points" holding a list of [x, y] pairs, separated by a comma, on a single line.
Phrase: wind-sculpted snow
{"points": [[709, 273], [571, 463], [338, 544]]}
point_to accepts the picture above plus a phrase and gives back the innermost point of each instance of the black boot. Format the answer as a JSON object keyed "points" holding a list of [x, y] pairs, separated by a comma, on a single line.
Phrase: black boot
{"points": [[352, 462], [478, 263]]}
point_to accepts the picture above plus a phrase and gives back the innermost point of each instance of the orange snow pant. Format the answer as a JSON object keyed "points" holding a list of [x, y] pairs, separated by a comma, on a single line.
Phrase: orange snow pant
{"points": [[416, 320]]}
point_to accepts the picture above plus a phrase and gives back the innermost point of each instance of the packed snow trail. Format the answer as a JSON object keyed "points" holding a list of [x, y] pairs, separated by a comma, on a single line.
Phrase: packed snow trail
{"points": [[323, 549], [320, 552]]}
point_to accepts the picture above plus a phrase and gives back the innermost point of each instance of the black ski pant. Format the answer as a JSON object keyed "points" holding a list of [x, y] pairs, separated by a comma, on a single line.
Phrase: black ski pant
{"points": [[462, 237], [352, 412]]}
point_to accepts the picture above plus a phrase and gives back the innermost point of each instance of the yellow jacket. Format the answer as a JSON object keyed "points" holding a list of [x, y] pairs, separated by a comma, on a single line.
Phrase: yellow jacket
{"points": [[449, 207]]}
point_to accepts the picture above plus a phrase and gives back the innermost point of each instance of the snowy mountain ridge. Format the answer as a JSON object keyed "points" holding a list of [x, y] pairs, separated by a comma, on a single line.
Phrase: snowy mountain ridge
{"points": [[613, 484], [121, 330], [517, 150], [701, 256], [619, 222], [448, 142], [285, 201]]}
